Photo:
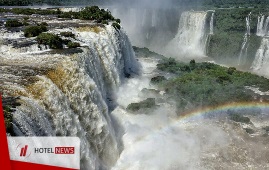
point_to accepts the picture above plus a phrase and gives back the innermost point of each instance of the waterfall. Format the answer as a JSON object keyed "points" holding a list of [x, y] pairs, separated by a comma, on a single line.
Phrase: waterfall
{"points": [[212, 24], [244, 49], [149, 27], [261, 61], [262, 26], [191, 37], [70, 94]]}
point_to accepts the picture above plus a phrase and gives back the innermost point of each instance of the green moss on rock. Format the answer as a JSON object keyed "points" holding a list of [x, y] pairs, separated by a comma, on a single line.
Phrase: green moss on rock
{"points": [[145, 104]]}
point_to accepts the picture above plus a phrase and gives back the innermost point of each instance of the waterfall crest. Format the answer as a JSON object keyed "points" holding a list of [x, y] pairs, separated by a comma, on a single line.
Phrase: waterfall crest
{"points": [[71, 94]]}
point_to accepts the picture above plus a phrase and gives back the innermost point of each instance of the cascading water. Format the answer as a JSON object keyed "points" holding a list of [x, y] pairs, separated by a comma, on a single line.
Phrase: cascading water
{"points": [[191, 37], [262, 26], [261, 61], [148, 27], [244, 49], [212, 23], [70, 94]]}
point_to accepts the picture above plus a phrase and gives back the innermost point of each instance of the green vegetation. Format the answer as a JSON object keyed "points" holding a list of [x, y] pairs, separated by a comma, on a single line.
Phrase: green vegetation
{"points": [[207, 84], [237, 3], [73, 44], [145, 104], [54, 41], [116, 25], [8, 118], [118, 21], [13, 23], [9, 105], [33, 31], [67, 34], [229, 31], [146, 53], [30, 11], [157, 79], [90, 13]]}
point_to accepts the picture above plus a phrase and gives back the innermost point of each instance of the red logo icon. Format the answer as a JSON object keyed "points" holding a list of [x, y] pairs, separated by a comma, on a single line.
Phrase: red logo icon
{"points": [[24, 151]]}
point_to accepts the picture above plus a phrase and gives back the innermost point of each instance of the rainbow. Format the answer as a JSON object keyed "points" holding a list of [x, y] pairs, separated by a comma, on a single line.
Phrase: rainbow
{"points": [[223, 108]]}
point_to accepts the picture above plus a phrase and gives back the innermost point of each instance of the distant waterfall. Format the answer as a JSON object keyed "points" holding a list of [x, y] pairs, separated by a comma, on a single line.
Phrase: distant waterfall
{"points": [[149, 27], [245, 44], [262, 26], [261, 61], [212, 24], [191, 36]]}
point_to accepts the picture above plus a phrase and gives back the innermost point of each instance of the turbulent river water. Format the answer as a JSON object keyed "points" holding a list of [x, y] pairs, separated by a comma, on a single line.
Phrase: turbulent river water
{"points": [[161, 140]]}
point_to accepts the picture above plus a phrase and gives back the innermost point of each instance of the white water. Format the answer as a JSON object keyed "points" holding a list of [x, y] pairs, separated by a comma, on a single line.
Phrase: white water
{"points": [[260, 64], [244, 49], [73, 99], [212, 24], [262, 26], [148, 27], [191, 37]]}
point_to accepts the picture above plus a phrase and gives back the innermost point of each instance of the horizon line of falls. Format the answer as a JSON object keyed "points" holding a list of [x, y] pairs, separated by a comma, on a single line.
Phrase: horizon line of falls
{"points": [[70, 94], [192, 35], [244, 49], [261, 60]]}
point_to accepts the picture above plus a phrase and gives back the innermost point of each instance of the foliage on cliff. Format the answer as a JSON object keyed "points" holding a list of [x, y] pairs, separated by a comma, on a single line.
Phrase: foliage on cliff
{"points": [[145, 104], [53, 41], [9, 105], [89, 13], [206, 84], [229, 30], [13, 23], [33, 31]]}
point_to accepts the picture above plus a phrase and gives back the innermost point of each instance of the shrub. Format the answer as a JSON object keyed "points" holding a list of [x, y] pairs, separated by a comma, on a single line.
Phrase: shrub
{"points": [[13, 23], [157, 79], [104, 22], [54, 41], [67, 34], [34, 31], [73, 44], [118, 21], [43, 24], [145, 104], [231, 70], [8, 118], [116, 25], [25, 23]]}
